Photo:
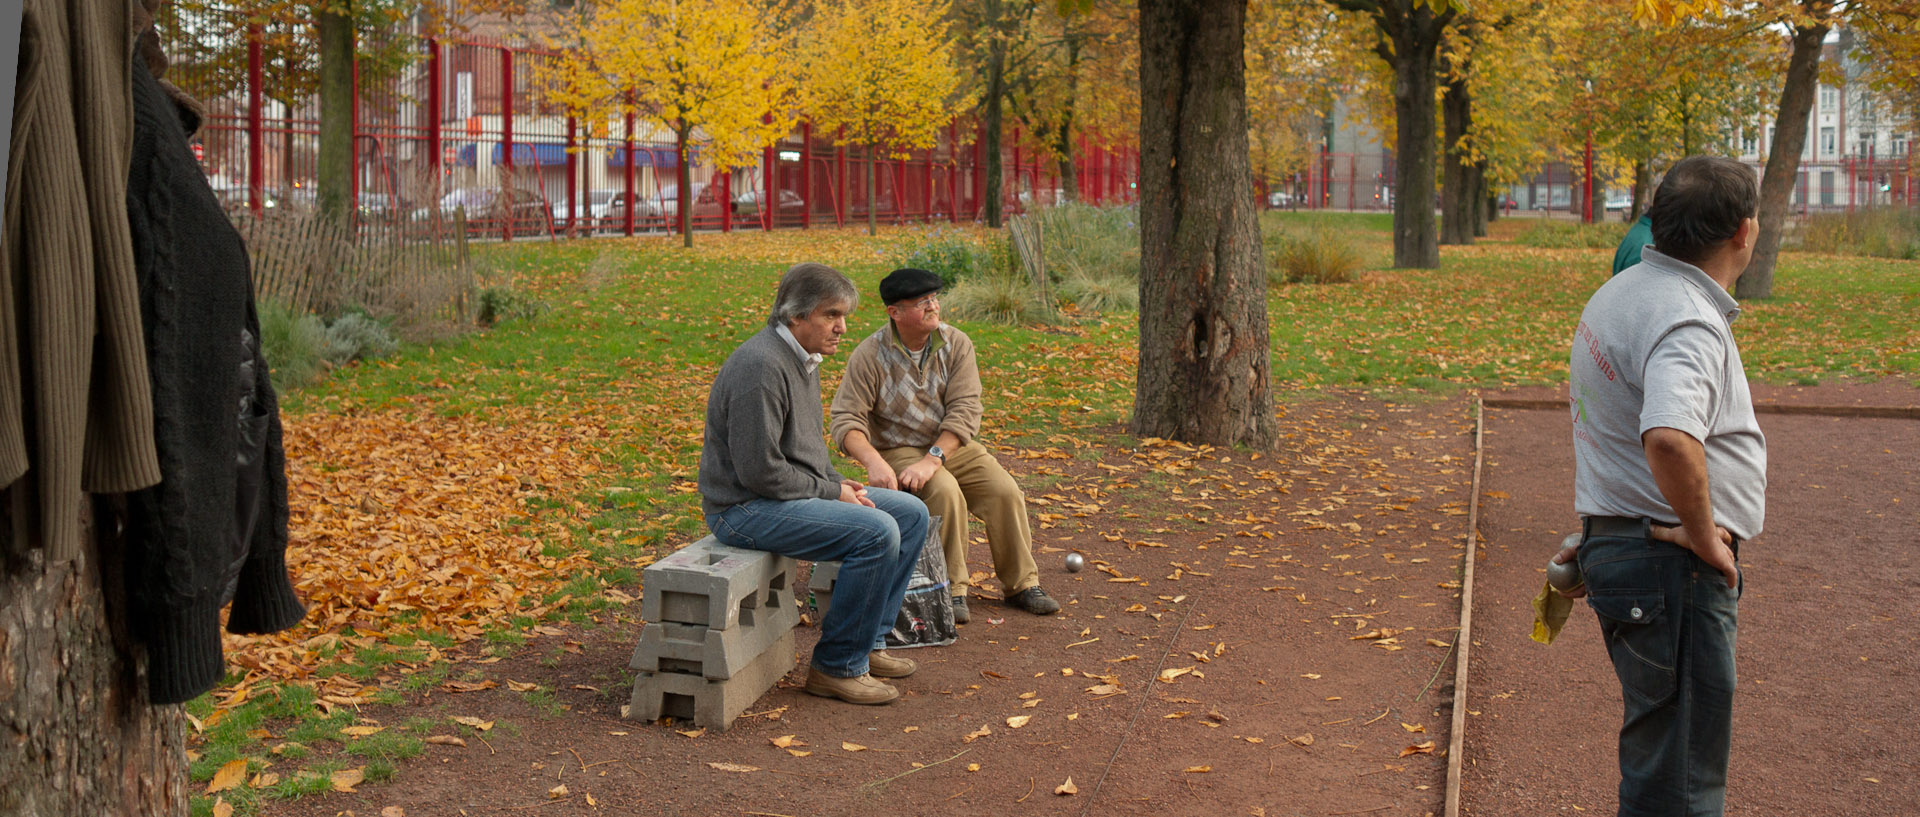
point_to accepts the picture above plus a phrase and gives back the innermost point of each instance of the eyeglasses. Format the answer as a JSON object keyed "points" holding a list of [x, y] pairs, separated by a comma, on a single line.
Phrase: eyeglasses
{"points": [[925, 304]]}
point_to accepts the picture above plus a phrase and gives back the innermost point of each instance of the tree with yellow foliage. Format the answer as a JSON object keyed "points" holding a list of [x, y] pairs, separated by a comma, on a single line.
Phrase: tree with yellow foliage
{"points": [[883, 70], [712, 71]]}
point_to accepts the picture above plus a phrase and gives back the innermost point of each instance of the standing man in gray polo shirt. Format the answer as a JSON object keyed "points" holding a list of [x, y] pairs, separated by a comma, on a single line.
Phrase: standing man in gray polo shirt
{"points": [[1670, 476]]}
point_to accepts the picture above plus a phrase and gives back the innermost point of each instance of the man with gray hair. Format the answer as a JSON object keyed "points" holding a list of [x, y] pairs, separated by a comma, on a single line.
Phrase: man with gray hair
{"points": [[767, 483], [1670, 476]]}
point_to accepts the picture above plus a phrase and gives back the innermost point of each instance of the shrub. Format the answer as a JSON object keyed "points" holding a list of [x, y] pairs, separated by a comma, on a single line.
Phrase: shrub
{"points": [[500, 304], [355, 336], [1881, 232], [294, 344], [951, 254], [1092, 254], [1317, 257], [1565, 235], [1004, 297]]}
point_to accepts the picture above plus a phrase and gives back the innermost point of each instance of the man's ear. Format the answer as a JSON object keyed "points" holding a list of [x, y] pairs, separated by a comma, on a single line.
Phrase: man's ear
{"points": [[1748, 234]]}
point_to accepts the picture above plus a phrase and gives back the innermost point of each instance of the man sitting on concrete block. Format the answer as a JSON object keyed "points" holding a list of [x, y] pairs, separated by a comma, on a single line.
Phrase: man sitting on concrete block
{"points": [[908, 409], [767, 483]]}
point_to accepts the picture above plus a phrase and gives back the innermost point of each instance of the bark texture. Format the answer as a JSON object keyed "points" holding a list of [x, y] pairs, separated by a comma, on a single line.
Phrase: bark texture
{"points": [[335, 172], [1410, 34], [1783, 157], [77, 735], [1457, 194], [1204, 375]]}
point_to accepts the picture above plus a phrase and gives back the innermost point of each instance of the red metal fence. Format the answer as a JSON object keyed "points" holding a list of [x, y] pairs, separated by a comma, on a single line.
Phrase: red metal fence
{"points": [[446, 124]]}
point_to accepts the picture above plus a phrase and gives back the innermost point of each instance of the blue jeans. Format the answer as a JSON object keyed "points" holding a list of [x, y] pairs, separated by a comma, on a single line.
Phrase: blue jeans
{"points": [[1669, 623], [876, 548]]}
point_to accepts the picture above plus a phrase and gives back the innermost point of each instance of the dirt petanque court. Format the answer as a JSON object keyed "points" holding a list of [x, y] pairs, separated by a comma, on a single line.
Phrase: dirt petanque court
{"points": [[1274, 636]]}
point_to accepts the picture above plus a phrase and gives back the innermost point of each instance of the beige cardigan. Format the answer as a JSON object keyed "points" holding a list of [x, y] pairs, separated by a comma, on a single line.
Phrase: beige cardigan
{"points": [[75, 414]]}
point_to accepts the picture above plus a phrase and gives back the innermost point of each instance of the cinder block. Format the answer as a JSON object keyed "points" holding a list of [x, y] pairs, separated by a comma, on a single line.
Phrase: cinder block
{"points": [[709, 653], [714, 586], [709, 703]]}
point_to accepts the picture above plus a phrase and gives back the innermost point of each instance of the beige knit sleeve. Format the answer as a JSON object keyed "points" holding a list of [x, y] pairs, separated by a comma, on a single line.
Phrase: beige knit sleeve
{"points": [[853, 400], [962, 396]]}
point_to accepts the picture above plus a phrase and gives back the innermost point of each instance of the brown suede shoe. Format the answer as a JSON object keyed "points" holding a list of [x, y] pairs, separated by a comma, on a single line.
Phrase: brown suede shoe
{"points": [[882, 665], [860, 689]]}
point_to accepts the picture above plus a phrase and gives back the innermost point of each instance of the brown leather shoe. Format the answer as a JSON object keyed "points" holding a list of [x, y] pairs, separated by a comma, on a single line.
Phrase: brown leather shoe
{"points": [[860, 689], [882, 665]]}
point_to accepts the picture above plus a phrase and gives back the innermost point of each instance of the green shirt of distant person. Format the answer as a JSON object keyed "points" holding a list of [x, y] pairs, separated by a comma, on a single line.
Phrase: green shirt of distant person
{"points": [[1640, 235]]}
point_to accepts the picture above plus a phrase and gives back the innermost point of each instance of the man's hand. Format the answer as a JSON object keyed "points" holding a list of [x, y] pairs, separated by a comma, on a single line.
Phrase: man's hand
{"points": [[1568, 554], [854, 492], [917, 474], [879, 473], [1718, 552]]}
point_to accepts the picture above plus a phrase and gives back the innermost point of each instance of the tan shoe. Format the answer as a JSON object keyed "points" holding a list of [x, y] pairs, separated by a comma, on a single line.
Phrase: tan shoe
{"points": [[860, 689], [882, 665]]}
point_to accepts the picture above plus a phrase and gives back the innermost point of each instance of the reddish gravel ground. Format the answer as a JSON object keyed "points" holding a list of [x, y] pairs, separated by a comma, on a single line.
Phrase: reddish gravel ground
{"points": [[1827, 652]]}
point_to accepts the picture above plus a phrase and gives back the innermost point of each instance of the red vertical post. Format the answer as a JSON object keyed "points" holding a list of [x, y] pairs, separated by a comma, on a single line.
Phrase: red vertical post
{"points": [[256, 135], [629, 195], [434, 149], [573, 177], [1016, 171], [840, 177], [506, 141], [806, 174], [926, 188], [769, 185], [725, 198], [953, 173]]}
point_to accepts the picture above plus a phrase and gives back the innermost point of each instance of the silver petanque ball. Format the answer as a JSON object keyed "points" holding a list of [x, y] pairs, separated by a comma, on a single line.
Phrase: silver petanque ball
{"points": [[1075, 562]]}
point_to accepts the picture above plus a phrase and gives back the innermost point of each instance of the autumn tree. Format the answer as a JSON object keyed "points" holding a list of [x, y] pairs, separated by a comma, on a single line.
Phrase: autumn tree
{"points": [[882, 70], [1297, 63], [1075, 73], [1409, 33], [714, 72], [1204, 375]]}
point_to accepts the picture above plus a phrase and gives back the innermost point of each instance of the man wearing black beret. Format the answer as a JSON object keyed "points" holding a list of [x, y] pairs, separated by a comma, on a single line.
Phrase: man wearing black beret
{"points": [[908, 410]]}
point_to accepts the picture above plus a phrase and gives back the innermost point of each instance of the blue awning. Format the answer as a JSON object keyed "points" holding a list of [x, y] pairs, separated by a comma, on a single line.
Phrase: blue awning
{"points": [[525, 154], [646, 156]]}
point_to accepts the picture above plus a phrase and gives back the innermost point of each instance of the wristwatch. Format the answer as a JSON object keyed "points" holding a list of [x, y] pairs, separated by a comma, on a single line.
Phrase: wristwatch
{"points": [[937, 453]]}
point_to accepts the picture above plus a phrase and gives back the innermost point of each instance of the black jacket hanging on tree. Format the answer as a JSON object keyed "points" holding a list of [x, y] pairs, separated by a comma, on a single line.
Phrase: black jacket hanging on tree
{"points": [[215, 529]]}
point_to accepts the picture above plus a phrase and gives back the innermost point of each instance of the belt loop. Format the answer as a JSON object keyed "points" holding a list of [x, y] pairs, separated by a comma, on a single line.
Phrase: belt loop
{"points": [[1646, 529], [1586, 529]]}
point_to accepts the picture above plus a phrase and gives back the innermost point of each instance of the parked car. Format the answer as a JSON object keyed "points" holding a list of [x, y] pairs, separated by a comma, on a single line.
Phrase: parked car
{"points": [[646, 213], [489, 213], [590, 204], [747, 206]]}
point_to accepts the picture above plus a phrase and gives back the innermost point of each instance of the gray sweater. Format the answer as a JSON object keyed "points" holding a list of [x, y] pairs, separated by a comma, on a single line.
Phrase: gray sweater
{"points": [[765, 438]]}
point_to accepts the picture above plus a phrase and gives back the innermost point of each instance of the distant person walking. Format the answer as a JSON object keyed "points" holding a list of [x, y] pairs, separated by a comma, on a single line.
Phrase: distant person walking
{"points": [[1637, 238], [1670, 476]]}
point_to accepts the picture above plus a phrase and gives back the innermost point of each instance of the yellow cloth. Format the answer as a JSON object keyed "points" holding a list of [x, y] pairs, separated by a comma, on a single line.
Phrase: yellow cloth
{"points": [[1550, 610]]}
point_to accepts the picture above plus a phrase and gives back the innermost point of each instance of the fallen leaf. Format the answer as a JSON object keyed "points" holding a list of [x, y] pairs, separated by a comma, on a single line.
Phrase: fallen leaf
{"points": [[799, 752], [221, 808], [1104, 689], [1414, 727], [558, 792], [852, 747], [229, 776], [446, 740], [393, 811], [467, 720], [1030, 704], [911, 729], [1167, 675], [734, 767], [692, 733], [345, 779], [361, 731], [263, 780], [1303, 740], [1018, 721], [1066, 788], [1424, 747], [785, 741], [521, 686], [469, 686], [973, 767], [591, 801], [1435, 642], [1199, 769], [982, 732]]}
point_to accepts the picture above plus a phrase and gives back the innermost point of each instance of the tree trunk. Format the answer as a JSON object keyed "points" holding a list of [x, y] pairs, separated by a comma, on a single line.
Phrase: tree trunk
{"points": [[80, 736], [1414, 32], [873, 219], [996, 88], [1783, 157], [1063, 139], [684, 194], [1477, 197], [335, 173], [1642, 189], [1204, 375], [1457, 197]]}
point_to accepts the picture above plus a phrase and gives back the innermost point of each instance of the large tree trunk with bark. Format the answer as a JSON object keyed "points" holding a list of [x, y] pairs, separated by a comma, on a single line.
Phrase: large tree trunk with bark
{"points": [[1410, 35], [1204, 375], [1457, 194], [1478, 199], [1783, 157], [79, 734], [335, 173]]}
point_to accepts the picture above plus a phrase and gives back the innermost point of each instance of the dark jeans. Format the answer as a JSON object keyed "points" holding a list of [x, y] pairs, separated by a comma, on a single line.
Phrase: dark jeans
{"points": [[1669, 623], [876, 547]]}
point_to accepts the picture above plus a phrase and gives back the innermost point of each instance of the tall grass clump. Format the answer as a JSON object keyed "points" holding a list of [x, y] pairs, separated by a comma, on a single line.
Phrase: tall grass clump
{"points": [[952, 254], [1315, 256], [1091, 255], [1879, 232], [1570, 235], [1002, 296]]}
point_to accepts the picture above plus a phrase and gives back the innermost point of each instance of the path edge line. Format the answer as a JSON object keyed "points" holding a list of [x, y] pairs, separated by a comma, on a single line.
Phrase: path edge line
{"points": [[1463, 638]]}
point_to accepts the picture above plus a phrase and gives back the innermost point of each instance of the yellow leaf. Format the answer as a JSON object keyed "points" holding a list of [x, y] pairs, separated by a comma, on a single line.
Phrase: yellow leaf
{"points": [[221, 808], [692, 733], [476, 723], [1303, 740], [263, 780], [229, 776], [1167, 675], [982, 732], [734, 767], [361, 731], [785, 741], [1424, 747], [1018, 721], [1066, 788], [521, 686], [799, 752], [446, 740], [1414, 727], [345, 779], [973, 767], [591, 802], [1199, 769], [557, 792], [852, 747]]}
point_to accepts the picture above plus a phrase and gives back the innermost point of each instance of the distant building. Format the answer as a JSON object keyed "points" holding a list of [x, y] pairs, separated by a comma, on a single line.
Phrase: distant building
{"points": [[1858, 146]]}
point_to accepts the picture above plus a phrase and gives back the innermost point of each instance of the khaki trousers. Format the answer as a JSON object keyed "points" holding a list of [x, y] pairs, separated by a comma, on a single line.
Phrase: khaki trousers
{"points": [[973, 480]]}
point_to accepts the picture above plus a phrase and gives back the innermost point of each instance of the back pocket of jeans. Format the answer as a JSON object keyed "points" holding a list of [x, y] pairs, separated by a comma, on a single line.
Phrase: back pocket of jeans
{"points": [[1643, 641]]}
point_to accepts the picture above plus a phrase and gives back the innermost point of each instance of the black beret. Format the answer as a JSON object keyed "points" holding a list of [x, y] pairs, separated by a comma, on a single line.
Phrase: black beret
{"points": [[908, 282]]}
